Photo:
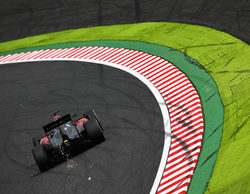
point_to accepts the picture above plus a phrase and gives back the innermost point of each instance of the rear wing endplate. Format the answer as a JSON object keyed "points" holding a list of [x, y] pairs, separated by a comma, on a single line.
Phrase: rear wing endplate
{"points": [[57, 123]]}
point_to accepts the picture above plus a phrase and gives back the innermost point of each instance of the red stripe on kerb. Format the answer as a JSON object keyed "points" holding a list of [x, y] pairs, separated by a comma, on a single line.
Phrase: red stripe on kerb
{"points": [[9, 58], [123, 57], [178, 92], [173, 185], [145, 63], [78, 50], [116, 55], [69, 53], [136, 60], [110, 53], [100, 53], [152, 66], [32, 54], [90, 49], [42, 54]]}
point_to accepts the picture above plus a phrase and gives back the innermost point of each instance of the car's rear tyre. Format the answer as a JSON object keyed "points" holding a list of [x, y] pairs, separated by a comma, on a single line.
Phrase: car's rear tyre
{"points": [[36, 141], [91, 114], [41, 157], [94, 131]]}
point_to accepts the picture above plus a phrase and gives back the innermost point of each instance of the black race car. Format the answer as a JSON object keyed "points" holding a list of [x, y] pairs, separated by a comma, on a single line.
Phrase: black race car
{"points": [[65, 137]]}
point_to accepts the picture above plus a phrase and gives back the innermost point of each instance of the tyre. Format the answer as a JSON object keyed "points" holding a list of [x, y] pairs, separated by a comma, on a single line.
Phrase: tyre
{"points": [[91, 114], [94, 131], [41, 157], [36, 141]]}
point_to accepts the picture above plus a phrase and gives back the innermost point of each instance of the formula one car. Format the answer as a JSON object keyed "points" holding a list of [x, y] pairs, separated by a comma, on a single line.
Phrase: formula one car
{"points": [[65, 137]]}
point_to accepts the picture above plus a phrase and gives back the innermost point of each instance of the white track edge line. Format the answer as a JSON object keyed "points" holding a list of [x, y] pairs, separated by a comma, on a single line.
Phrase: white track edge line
{"points": [[159, 99]]}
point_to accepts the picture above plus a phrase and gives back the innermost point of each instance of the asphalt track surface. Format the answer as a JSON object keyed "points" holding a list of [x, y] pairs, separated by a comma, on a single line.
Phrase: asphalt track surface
{"points": [[23, 18], [126, 162]]}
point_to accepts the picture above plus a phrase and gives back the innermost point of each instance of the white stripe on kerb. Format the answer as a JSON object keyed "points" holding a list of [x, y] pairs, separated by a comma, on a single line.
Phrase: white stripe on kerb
{"points": [[145, 67]]}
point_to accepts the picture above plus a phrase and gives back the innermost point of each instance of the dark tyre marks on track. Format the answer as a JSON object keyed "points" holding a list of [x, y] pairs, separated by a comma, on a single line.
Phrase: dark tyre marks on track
{"points": [[126, 162]]}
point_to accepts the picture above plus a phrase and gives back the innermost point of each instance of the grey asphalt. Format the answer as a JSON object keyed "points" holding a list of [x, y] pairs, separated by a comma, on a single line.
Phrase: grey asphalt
{"points": [[126, 162], [22, 18]]}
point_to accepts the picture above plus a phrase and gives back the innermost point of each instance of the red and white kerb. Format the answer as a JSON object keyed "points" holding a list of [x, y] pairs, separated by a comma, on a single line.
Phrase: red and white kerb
{"points": [[180, 96]]}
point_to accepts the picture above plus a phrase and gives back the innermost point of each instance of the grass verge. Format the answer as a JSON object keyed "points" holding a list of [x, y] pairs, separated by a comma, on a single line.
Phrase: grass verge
{"points": [[223, 56]]}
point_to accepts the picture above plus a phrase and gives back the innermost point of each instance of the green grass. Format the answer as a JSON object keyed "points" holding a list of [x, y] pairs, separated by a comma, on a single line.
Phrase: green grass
{"points": [[213, 110], [223, 56]]}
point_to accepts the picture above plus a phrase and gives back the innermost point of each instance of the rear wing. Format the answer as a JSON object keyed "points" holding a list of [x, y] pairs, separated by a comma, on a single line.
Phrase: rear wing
{"points": [[57, 123]]}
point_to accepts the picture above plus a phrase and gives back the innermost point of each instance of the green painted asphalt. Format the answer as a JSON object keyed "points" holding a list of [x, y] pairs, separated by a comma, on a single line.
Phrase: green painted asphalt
{"points": [[224, 57], [212, 107]]}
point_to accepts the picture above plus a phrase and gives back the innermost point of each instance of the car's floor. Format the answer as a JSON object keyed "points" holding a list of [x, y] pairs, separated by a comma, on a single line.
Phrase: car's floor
{"points": [[126, 162]]}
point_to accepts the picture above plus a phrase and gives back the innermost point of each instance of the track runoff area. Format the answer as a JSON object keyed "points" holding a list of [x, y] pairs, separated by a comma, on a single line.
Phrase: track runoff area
{"points": [[177, 98]]}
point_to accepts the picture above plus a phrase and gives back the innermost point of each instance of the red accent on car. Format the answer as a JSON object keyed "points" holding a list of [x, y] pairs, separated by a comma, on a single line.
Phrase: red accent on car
{"points": [[81, 121], [45, 140]]}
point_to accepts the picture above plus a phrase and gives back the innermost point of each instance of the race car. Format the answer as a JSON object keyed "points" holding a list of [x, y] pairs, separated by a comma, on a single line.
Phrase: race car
{"points": [[65, 137]]}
